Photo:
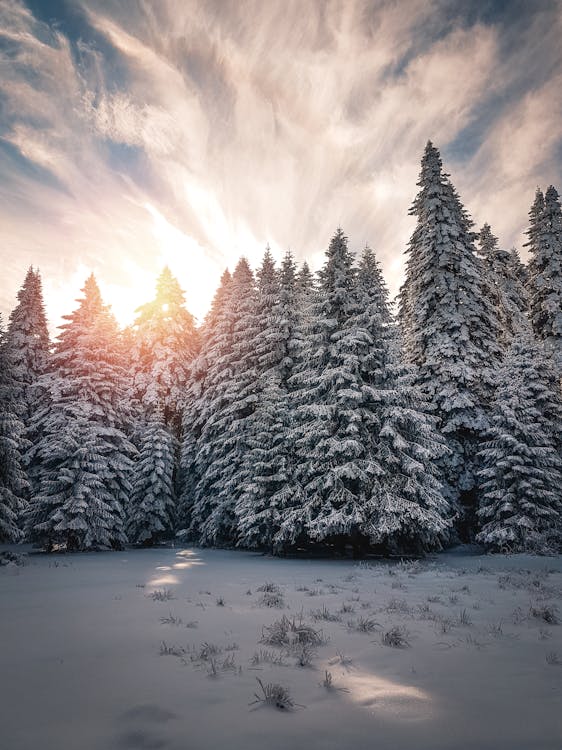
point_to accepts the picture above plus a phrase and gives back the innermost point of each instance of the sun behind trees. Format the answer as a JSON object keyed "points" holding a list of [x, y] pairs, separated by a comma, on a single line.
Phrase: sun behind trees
{"points": [[301, 414]]}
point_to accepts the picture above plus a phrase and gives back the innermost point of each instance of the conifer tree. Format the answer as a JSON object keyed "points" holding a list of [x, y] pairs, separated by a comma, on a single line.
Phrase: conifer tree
{"points": [[205, 379], [545, 270], [28, 339], [151, 510], [165, 344], [83, 459], [229, 398], [13, 480], [332, 430], [265, 469], [504, 276], [406, 509], [521, 479], [450, 328]]}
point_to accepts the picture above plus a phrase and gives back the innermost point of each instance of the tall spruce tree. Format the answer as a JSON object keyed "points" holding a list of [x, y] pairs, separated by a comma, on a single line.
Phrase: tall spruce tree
{"points": [[507, 290], [205, 378], [151, 510], [545, 270], [83, 459], [450, 328], [28, 338], [13, 480], [406, 508], [521, 479], [265, 468], [165, 342], [332, 431], [228, 399]]}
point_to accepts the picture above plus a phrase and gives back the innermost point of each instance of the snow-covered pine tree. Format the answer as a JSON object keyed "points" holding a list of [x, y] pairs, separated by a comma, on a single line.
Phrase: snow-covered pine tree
{"points": [[264, 470], [151, 510], [83, 459], [545, 270], [28, 339], [504, 276], [305, 279], [205, 379], [165, 343], [13, 480], [406, 510], [521, 479], [450, 328], [332, 431], [229, 398]]}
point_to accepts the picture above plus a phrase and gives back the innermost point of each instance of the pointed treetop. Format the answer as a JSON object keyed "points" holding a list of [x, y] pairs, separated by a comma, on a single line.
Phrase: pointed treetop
{"points": [[487, 242]]}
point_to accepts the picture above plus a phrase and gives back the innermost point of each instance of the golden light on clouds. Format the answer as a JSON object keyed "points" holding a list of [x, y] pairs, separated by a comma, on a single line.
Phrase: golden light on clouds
{"points": [[189, 133]]}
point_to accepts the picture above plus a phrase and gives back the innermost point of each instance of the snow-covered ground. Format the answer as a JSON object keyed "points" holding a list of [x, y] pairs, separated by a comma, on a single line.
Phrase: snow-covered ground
{"points": [[82, 636]]}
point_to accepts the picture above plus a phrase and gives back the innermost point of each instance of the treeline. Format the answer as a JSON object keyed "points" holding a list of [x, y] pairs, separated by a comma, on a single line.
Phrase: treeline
{"points": [[303, 412]]}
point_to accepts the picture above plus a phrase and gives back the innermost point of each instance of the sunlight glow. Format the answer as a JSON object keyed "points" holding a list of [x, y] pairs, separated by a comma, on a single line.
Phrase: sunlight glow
{"points": [[403, 702]]}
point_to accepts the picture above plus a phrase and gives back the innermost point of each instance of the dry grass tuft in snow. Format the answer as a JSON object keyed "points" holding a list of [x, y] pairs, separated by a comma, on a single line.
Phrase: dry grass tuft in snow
{"points": [[274, 695], [324, 614], [396, 637], [272, 599], [291, 633], [171, 620], [364, 624], [546, 612], [161, 595]]}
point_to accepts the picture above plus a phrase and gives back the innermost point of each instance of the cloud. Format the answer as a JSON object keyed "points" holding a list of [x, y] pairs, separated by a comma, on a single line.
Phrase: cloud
{"points": [[189, 133]]}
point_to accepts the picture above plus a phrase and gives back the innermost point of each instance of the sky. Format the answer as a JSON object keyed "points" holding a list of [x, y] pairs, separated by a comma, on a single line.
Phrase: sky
{"points": [[141, 133]]}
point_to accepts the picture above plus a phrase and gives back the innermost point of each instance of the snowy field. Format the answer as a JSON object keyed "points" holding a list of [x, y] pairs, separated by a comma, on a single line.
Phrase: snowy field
{"points": [[458, 651]]}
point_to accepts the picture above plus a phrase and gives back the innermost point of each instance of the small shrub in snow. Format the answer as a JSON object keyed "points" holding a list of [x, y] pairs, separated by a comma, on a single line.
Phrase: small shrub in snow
{"points": [[220, 602], [445, 625], [304, 654], [272, 599], [398, 605], [464, 618], [171, 650], [496, 629], [553, 659], [347, 608], [161, 595], [546, 612], [227, 664], [453, 599], [364, 624], [324, 614], [328, 683], [518, 616], [266, 656], [269, 588], [291, 632], [396, 638], [171, 620], [274, 695], [207, 651]]}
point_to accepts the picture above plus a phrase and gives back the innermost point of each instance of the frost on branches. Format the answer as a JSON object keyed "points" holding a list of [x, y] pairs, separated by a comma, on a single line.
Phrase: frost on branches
{"points": [[545, 270], [151, 509], [13, 480], [83, 459], [521, 479], [450, 327]]}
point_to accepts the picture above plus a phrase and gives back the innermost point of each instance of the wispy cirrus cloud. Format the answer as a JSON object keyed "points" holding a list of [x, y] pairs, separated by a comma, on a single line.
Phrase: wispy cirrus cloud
{"points": [[136, 134]]}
